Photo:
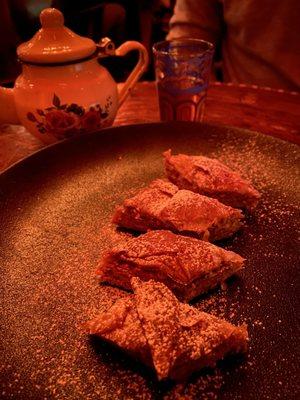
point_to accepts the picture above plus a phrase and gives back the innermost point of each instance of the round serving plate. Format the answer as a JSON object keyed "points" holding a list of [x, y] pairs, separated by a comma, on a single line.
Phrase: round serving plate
{"points": [[55, 213]]}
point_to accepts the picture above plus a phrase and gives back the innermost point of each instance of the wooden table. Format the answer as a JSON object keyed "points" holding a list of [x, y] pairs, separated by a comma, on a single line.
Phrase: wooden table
{"points": [[273, 112]]}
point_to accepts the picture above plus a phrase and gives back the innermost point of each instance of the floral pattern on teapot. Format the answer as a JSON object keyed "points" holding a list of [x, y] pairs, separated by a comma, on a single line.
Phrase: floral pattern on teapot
{"points": [[67, 120]]}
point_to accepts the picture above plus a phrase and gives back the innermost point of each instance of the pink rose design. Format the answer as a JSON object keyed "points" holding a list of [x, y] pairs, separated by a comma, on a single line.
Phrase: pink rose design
{"points": [[64, 120], [61, 123], [91, 121]]}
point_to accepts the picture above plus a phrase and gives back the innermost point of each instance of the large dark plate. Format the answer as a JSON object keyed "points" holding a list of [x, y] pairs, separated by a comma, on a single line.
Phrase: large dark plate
{"points": [[55, 222]]}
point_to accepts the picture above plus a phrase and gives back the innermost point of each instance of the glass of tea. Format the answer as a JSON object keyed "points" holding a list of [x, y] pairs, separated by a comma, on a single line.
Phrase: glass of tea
{"points": [[182, 69]]}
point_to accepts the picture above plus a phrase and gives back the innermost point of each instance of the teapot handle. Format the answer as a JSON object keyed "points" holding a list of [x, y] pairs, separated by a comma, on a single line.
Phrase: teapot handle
{"points": [[138, 70]]}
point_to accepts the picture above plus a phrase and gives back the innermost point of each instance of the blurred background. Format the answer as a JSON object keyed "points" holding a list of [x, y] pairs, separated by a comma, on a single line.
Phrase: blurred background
{"points": [[144, 20]]}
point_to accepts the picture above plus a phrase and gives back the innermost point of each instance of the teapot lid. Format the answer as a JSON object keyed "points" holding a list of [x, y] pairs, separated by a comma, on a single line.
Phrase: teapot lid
{"points": [[54, 42]]}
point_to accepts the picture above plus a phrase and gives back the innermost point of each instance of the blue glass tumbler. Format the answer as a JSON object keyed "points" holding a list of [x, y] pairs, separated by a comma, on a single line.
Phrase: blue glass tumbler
{"points": [[182, 69]]}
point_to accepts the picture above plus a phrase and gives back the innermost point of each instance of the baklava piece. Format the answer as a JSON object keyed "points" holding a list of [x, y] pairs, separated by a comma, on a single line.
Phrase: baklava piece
{"points": [[162, 205], [210, 177], [172, 337], [188, 266]]}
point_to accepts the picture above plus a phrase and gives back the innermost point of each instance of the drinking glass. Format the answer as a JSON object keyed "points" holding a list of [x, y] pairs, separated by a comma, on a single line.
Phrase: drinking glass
{"points": [[182, 69]]}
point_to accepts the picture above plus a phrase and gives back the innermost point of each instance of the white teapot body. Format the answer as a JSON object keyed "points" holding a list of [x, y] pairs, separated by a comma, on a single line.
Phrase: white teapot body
{"points": [[64, 101]]}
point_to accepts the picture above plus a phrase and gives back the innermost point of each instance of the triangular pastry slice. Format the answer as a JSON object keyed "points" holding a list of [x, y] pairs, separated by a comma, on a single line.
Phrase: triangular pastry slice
{"points": [[162, 205], [188, 266], [173, 338], [208, 176]]}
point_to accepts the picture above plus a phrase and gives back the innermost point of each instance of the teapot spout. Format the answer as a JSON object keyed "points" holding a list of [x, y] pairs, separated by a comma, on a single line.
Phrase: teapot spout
{"points": [[8, 112]]}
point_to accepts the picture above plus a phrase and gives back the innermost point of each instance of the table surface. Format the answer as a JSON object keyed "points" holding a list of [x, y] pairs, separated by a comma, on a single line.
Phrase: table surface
{"points": [[273, 112]]}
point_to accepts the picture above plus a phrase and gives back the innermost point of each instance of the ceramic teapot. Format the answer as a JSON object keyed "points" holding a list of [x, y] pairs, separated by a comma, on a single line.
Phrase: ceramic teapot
{"points": [[63, 89]]}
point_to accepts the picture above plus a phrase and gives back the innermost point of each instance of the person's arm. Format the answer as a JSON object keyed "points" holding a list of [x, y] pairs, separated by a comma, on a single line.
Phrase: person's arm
{"points": [[202, 19]]}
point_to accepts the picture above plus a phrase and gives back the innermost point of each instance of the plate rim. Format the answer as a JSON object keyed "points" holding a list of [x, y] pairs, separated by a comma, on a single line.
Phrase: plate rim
{"points": [[141, 125]]}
